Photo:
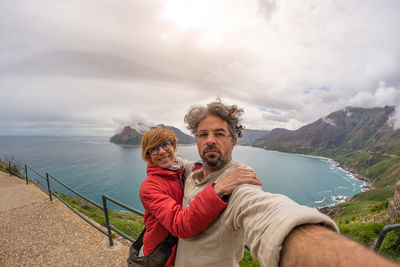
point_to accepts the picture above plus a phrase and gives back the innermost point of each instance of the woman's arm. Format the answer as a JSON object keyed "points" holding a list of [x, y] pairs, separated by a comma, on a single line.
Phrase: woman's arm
{"points": [[182, 223]]}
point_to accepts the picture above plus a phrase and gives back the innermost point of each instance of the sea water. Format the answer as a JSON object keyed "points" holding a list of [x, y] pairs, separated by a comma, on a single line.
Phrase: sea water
{"points": [[93, 166]]}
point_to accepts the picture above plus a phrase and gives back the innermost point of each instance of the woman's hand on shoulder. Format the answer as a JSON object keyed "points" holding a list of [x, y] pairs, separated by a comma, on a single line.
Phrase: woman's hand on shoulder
{"points": [[234, 179]]}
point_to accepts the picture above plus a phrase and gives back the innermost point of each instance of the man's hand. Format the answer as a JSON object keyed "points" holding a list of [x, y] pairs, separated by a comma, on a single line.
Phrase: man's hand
{"points": [[234, 179], [314, 246]]}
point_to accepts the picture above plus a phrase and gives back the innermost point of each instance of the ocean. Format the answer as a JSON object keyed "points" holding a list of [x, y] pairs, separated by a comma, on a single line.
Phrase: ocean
{"points": [[93, 166]]}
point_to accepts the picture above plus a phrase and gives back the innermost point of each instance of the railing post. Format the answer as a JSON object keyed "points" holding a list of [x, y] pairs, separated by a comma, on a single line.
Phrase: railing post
{"points": [[48, 186], [383, 233], [379, 241], [26, 174], [107, 221]]}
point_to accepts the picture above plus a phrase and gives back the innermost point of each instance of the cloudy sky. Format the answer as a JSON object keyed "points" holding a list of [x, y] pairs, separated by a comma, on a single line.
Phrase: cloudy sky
{"points": [[72, 67]]}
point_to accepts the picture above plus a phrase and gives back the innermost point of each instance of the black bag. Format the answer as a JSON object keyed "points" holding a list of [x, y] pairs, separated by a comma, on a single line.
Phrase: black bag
{"points": [[157, 258]]}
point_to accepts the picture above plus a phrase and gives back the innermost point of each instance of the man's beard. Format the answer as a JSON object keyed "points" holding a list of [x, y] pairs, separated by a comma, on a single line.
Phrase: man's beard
{"points": [[212, 160]]}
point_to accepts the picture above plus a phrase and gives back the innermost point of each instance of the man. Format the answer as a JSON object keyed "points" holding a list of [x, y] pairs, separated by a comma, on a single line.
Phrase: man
{"points": [[264, 221]]}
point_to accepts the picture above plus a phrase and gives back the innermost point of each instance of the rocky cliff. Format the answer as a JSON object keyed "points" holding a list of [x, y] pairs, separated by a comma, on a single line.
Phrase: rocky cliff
{"points": [[130, 136], [393, 212]]}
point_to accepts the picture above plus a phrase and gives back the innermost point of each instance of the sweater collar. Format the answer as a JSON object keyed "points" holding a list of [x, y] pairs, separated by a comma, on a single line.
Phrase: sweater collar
{"points": [[212, 177]]}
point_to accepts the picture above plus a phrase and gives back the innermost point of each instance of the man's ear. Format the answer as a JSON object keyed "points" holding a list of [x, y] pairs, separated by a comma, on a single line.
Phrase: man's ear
{"points": [[234, 141]]}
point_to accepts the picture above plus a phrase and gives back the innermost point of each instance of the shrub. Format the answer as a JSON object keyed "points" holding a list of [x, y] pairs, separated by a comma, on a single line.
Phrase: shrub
{"points": [[362, 233], [391, 245], [380, 206]]}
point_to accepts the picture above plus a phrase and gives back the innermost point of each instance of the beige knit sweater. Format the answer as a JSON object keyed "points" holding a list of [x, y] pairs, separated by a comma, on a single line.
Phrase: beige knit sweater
{"points": [[260, 219]]}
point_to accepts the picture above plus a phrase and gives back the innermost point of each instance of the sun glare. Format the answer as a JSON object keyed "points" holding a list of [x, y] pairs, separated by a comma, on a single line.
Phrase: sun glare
{"points": [[199, 16]]}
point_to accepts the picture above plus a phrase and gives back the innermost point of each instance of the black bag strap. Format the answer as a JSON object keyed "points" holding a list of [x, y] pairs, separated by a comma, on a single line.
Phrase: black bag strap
{"points": [[157, 258], [171, 240], [168, 243], [139, 241]]}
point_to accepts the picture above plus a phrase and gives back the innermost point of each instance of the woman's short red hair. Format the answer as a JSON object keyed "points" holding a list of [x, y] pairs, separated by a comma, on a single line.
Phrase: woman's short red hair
{"points": [[155, 137]]}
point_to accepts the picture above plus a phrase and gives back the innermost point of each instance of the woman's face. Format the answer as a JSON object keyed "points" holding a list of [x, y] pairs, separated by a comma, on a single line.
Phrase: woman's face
{"points": [[163, 155]]}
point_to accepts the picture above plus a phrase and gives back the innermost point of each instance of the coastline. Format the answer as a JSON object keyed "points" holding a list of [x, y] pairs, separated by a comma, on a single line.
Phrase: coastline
{"points": [[342, 199], [330, 209], [368, 183]]}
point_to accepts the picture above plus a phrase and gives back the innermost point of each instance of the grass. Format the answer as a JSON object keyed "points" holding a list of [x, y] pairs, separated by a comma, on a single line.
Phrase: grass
{"points": [[6, 168], [377, 194], [362, 221], [357, 211]]}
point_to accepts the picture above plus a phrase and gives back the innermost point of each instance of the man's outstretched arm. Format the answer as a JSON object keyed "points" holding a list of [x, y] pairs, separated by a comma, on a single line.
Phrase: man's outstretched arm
{"points": [[314, 245]]}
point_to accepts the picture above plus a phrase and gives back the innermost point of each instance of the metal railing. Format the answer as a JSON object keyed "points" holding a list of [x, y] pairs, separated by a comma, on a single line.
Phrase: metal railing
{"points": [[109, 225], [383, 233], [50, 193]]}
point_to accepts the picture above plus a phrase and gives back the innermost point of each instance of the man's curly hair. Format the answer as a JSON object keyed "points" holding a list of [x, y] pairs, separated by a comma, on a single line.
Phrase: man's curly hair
{"points": [[230, 114]]}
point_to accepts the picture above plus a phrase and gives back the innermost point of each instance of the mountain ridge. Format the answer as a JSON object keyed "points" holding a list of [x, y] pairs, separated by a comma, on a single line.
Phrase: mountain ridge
{"points": [[350, 129], [132, 137]]}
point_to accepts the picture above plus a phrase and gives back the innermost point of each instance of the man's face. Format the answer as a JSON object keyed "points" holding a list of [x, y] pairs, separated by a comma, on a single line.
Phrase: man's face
{"points": [[214, 142]]}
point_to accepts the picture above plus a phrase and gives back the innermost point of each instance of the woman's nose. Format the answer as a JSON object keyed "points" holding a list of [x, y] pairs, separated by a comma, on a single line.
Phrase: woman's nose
{"points": [[161, 150]]}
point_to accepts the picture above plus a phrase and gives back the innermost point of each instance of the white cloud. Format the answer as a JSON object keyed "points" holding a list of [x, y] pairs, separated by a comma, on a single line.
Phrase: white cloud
{"points": [[394, 120], [383, 95], [97, 62]]}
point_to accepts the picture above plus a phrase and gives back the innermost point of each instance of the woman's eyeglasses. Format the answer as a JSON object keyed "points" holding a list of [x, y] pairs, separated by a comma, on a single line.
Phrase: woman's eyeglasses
{"points": [[155, 150]]}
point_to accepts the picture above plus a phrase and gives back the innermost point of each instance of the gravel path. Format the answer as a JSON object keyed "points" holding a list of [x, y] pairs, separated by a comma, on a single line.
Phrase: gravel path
{"points": [[37, 232]]}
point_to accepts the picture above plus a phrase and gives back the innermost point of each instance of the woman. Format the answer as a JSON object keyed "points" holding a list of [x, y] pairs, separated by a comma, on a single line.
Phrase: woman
{"points": [[161, 194]]}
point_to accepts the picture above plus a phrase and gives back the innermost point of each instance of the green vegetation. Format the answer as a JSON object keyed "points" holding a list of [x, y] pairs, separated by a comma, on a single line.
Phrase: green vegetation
{"points": [[5, 167], [391, 246], [378, 194], [364, 233], [248, 260], [361, 220]]}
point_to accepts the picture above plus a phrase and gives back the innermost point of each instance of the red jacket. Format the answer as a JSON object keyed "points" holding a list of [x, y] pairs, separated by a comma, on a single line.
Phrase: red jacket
{"points": [[161, 194]]}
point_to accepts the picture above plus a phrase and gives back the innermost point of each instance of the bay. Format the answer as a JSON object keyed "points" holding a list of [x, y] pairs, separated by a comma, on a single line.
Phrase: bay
{"points": [[93, 166]]}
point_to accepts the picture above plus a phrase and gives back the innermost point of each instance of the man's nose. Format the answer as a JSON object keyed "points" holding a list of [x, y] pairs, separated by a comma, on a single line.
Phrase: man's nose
{"points": [[210, 139]]}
